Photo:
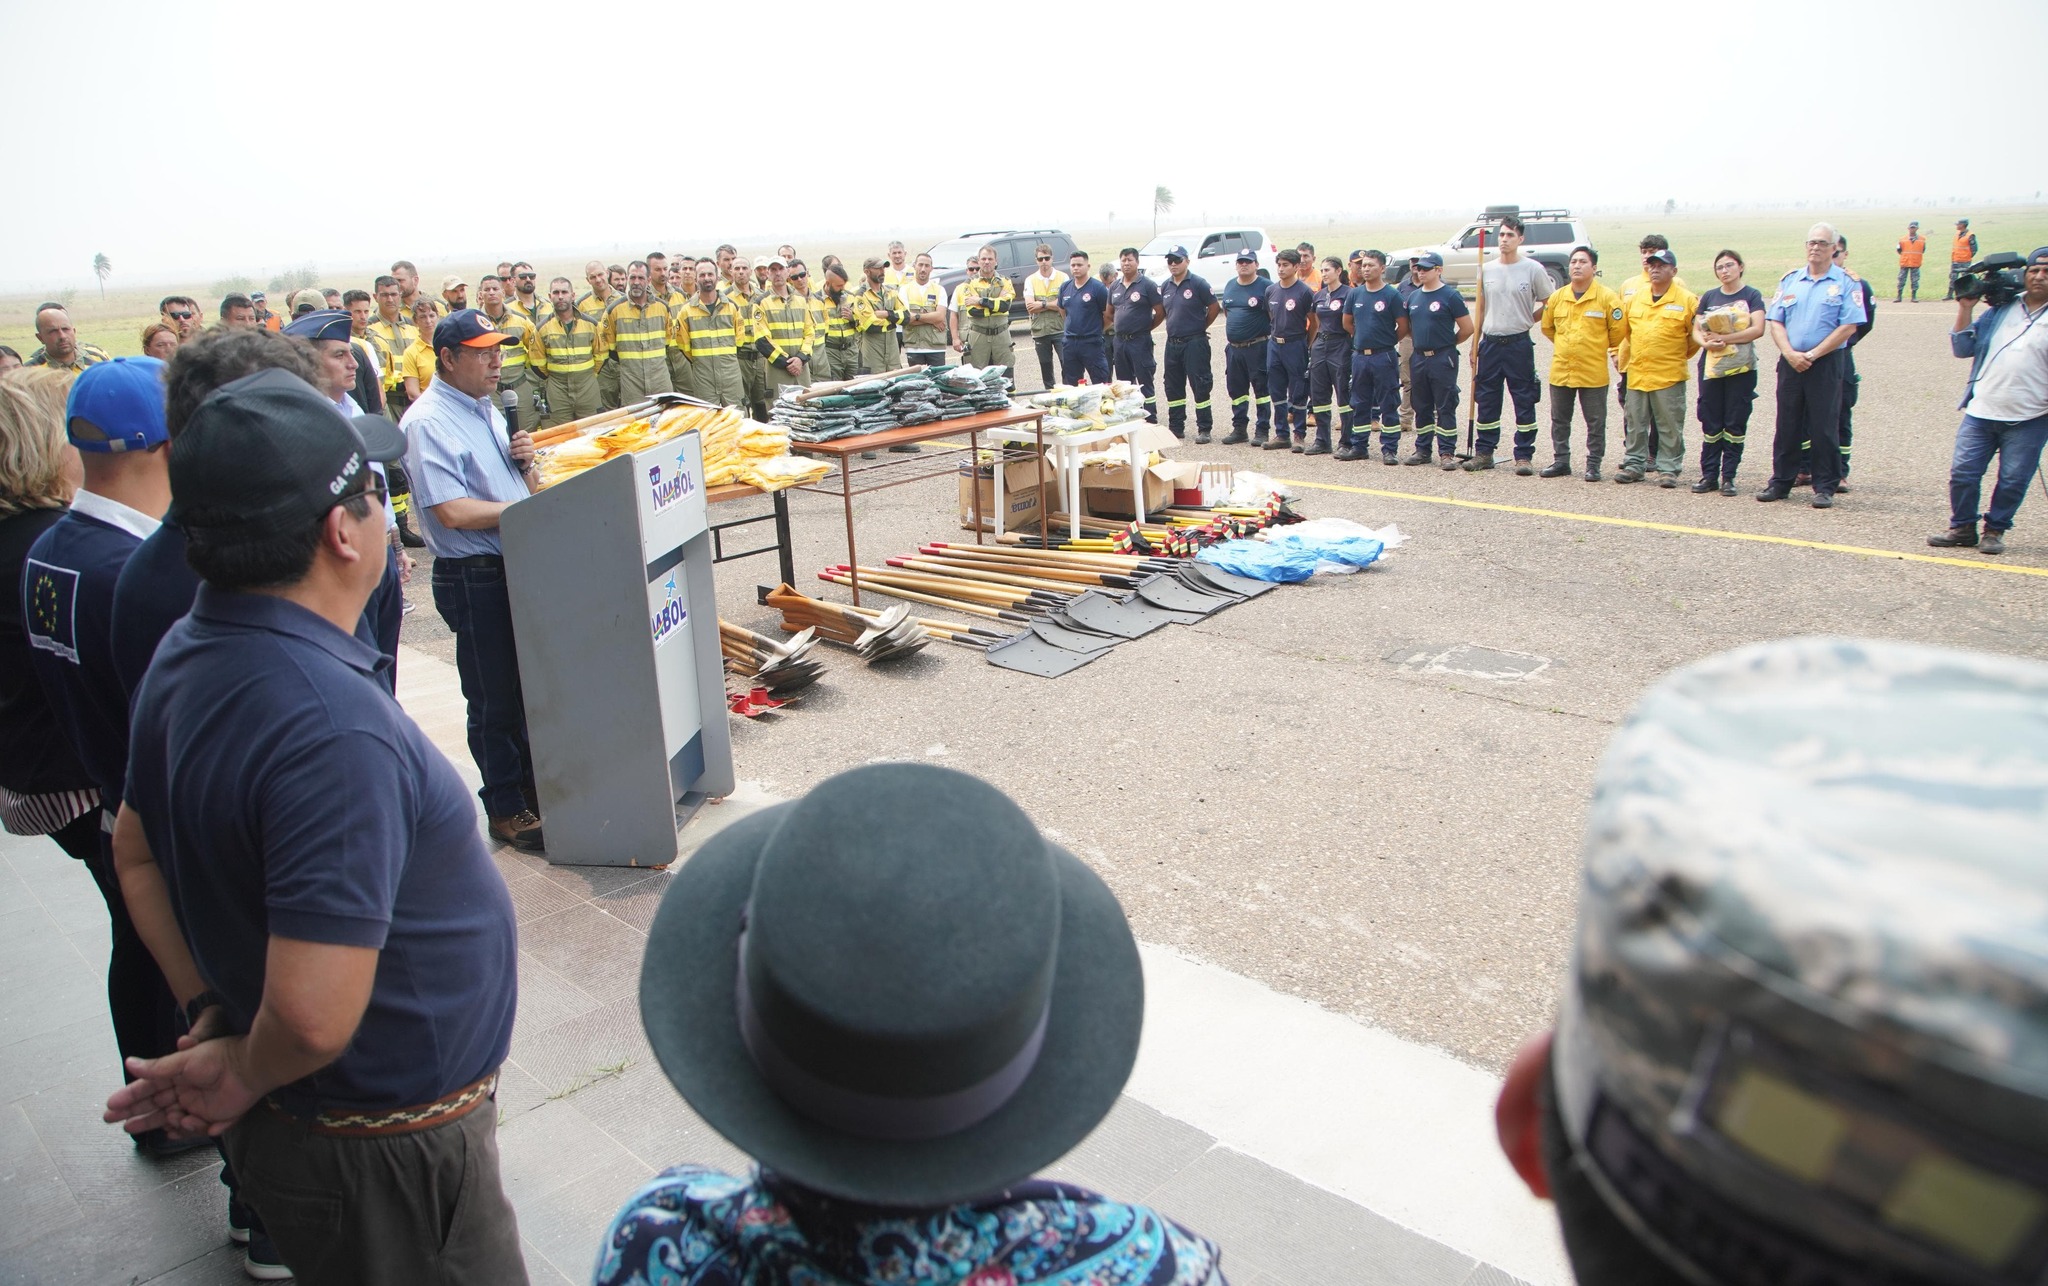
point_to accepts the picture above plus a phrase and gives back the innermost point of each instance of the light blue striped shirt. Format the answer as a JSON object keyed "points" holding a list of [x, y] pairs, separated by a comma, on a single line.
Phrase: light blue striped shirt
{"points": [[456, 446]]}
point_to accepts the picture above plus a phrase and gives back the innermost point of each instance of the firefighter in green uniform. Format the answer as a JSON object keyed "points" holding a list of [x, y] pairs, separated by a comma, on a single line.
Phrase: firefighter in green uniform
{"points": [[518, 374], [835, 357], [635, 331], [877, 307], [594, 304], [782, 330], [565, 350], [984, 300], [707, 332]]}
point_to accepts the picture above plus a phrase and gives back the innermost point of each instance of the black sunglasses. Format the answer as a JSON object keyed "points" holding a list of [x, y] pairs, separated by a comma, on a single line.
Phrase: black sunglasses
{"points": [[181, 315]]}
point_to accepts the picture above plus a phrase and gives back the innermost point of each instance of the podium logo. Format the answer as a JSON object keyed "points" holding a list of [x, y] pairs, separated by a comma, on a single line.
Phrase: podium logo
{"points": [[668, 619], [672, 487]]}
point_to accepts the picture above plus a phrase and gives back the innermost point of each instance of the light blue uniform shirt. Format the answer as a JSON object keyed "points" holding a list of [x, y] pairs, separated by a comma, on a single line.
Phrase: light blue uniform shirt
{"points": [[1811, 307], [455, 446]]}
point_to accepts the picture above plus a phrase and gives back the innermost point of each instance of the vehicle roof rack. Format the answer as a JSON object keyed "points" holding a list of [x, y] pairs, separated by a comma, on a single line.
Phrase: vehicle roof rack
{"points": [[1494, 213]]}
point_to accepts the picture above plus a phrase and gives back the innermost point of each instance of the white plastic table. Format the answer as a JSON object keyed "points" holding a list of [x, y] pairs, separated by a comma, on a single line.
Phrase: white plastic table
{"points": [[1066, 450]]}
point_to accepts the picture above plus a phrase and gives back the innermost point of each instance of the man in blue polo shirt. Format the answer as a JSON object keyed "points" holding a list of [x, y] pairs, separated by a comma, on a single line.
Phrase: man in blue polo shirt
{"points": [[1084, 302], [1245, 328], [1134, 300], [115, 417], [1290, 308], [306, 869], [467, 469], [1377, 321], [1811, 317], [1190, 307], [1438, 321]]}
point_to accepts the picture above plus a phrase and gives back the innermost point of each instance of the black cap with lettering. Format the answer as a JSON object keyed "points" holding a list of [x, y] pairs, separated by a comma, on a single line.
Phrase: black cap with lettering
{"points": [[266, 455]]}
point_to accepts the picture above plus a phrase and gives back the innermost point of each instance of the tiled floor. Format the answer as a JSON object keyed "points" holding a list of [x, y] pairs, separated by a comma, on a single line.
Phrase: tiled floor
{"points": [[584, 1112]]}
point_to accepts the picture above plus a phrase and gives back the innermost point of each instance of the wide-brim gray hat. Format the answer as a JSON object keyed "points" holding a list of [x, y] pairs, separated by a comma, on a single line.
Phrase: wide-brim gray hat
{"points": [[894, 990]]}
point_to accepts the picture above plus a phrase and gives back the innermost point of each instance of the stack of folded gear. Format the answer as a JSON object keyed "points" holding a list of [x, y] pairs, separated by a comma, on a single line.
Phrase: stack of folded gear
{"points": [[1084, 408]]}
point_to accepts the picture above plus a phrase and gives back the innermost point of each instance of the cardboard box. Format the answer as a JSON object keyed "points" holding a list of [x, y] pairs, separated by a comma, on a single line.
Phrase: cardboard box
{"points": [[1023, 497], [1106, 489]]}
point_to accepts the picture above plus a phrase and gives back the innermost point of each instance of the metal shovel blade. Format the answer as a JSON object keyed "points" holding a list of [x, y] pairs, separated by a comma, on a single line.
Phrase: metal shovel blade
{"points": [[1201, 584], [1073, 640], [1125, 615], [1233, 582], [1031, 654], [1169, 593]]}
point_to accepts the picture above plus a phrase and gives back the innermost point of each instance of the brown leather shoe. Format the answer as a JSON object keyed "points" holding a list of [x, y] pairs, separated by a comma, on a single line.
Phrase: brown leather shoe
{"points": [[521, 830]]}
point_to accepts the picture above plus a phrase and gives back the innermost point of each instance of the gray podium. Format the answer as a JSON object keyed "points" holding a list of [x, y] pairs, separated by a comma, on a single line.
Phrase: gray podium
{"points": [[616, 618]]}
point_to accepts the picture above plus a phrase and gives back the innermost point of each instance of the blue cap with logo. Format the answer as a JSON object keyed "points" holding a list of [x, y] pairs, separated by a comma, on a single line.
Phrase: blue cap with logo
{"points": [[1806, 1024], [1429, 259], [117, 405], [328, 323], [1247, 255], [1177, 252]]}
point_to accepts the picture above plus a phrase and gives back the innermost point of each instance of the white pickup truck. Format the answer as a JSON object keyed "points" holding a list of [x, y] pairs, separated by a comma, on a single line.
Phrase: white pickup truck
{"points": [[1548, 238]]}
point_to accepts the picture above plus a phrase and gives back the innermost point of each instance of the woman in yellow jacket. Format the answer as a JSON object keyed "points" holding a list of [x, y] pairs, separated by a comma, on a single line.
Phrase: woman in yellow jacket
{"points": [[417, 362], [1584, 322]]}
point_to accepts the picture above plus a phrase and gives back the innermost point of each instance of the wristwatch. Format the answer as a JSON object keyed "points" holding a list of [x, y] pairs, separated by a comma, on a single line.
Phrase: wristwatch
{"points": [[199, 1004]]}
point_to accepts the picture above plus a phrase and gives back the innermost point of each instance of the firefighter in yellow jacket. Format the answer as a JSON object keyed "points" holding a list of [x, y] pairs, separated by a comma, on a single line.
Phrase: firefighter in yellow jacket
{"points": [[635, 331], [782, 330], [834, 355], [707, 333], [877, 308], [1584, 322], [564, 351], [981, 311]]}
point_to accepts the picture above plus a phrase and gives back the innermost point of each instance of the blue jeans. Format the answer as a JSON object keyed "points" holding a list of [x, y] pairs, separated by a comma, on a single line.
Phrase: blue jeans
{"points": [[2018, 448], [475, 604]]}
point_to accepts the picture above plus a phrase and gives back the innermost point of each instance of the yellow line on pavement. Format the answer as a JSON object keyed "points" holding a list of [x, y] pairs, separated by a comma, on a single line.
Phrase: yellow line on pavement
{"points": [[1975, 564]]}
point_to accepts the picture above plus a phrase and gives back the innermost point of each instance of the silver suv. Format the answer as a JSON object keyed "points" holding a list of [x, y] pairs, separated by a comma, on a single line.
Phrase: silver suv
{"points": [[1549, 236]]}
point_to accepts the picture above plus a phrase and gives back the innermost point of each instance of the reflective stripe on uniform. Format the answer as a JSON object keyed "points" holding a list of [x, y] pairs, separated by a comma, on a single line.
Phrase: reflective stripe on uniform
{"points": [[637, 332], [568, 349]]}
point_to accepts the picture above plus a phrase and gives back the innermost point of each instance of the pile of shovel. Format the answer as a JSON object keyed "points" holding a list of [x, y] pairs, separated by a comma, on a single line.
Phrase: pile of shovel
{"points": [[781, 668], [1062, 608], [873, 636]]}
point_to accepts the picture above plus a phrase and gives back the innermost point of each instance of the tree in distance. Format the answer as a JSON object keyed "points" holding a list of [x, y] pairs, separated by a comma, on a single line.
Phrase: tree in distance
{"points": [[1162, 203], [103, 268]]}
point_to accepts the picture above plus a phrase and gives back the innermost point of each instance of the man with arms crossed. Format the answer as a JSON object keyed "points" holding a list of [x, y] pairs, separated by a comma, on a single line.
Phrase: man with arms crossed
{"points": [[309, 875]]}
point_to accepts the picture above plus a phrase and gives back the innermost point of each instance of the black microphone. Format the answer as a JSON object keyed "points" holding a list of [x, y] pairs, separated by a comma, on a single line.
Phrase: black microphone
{"points": [[508, 402]]}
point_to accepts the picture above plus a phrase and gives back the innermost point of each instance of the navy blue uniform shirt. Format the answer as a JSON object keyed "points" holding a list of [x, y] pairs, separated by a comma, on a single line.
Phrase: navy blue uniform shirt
{"points": [[1433, 317], [1330, 317], [284, 792], [1133, 304], [1187, 306], [154, 591], [1244, 310], [1373, 316], [67, 598], [36, 757], [1083, 305], [1289, 308]]}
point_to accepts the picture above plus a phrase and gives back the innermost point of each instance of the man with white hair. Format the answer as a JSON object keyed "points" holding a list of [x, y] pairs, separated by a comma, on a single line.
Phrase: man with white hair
{"points": [[1811, 316]]}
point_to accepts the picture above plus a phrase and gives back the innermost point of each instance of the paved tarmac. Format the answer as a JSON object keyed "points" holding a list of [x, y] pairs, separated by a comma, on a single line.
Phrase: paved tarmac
{"points": [[1275, 791]]}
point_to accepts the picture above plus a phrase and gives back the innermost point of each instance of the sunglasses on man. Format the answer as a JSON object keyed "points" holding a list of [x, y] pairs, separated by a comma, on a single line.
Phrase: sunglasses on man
{"points": [[180, 314]]}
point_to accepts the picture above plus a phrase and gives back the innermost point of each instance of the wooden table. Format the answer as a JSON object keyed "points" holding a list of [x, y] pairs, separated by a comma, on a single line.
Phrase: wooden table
{"points": [[779, 515], [847, 450]]}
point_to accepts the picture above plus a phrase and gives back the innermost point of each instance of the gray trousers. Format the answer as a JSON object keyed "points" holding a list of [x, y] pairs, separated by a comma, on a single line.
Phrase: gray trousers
{"points": [[1656, 430], [1592, 404], [399, 1209]]}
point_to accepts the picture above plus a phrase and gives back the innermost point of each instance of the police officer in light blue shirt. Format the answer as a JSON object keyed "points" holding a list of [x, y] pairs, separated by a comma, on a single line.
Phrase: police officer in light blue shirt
{"points": [[1811, 317], [466, 471]]}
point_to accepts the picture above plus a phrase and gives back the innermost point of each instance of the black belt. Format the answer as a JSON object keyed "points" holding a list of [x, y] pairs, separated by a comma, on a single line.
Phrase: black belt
{"points": [[1184, 338], [472, 560], [987, 329], [1368, 352], [1432, 352], [1245, 343], [1133, 335], [1289, 339]]}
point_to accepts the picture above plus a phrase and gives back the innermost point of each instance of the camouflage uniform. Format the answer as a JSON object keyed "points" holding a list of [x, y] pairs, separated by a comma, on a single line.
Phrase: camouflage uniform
{"points": [[1807, 1024]]}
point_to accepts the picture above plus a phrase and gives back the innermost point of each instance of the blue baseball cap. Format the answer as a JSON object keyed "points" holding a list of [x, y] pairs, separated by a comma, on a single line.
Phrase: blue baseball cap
{"points": [[2038, 259], [328, 323], [1429, 259], [1247, 255], [1176, 252], [469, 328], [117, 405]]}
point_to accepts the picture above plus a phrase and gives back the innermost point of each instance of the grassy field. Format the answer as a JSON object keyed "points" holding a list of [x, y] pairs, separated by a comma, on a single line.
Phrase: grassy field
{"points": [[1770, 241]]}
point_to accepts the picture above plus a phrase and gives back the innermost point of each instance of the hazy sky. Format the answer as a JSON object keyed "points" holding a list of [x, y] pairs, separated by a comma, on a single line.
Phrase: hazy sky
{"points": [[197, 138]]}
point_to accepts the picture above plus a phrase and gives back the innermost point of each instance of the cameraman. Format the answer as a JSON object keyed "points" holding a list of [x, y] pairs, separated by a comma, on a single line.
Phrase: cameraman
{"points": [[2005, 410]]}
